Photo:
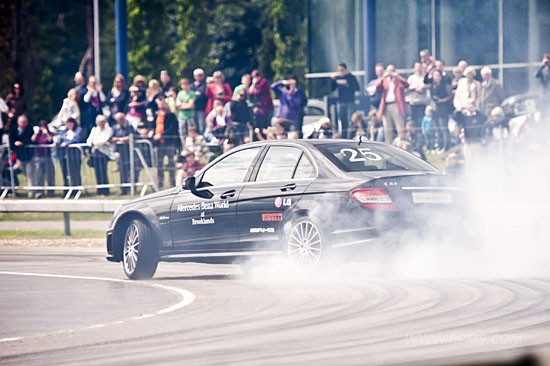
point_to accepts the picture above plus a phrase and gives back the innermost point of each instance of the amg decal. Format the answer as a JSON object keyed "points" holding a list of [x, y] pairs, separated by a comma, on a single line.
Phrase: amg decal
{"points": [[262, 230]]}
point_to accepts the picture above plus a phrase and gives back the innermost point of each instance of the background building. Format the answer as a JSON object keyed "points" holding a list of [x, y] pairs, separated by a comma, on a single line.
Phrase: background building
{"points": [[508, 35]]}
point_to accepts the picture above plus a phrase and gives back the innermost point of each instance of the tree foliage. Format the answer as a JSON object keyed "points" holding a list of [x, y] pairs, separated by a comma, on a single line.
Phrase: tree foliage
{"points": [[288, 28], [42, 42]]}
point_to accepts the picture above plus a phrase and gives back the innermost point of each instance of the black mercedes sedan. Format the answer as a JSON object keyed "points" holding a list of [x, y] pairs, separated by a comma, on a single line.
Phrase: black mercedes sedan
{"points": [[304, 199]]}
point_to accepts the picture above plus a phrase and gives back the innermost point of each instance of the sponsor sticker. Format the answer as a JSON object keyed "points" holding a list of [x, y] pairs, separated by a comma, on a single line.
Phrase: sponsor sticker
{"points": [[203, 206], [203, 221], [272, 217], [279, 202], [261, 230]]}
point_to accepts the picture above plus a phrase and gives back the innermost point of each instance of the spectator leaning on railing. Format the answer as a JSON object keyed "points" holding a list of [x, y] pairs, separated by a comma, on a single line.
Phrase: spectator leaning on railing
{"points": [[99, 141], [70, 158], [42, 159], [20, 138], [122, 130]]}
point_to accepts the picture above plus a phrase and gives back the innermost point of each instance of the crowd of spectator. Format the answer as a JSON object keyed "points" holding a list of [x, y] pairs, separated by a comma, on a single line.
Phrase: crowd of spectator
{"points": [[186, 124]]}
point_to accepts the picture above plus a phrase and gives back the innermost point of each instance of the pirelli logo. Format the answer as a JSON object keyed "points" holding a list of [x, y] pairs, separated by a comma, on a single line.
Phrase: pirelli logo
{"points": [[272, 217]]}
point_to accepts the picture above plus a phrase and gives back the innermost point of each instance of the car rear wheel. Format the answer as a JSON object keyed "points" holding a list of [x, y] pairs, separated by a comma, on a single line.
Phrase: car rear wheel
{"points": [[305, 247], [140, 256]]}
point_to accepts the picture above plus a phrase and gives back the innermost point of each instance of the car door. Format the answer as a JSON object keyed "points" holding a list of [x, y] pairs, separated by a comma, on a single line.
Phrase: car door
{"points": [[278, 184], [207, 221]]}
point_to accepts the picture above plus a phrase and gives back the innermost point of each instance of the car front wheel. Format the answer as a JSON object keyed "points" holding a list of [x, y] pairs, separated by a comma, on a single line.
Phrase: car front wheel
{"points": [[140, 256]]}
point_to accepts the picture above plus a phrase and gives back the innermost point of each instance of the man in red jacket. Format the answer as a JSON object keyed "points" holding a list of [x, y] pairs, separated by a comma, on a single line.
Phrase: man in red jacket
{"points": [[393, 108]]}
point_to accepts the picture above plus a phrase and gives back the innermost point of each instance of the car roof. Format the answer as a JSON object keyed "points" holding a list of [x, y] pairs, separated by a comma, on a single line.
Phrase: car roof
{"points": [[312, 142]]}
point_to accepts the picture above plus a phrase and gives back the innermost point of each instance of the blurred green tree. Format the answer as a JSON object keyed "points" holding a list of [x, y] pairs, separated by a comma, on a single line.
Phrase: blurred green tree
{"points": [[44, 42]]}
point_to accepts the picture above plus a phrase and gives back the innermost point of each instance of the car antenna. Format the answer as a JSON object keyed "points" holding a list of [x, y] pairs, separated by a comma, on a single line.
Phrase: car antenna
{"points": [[360, 140]]}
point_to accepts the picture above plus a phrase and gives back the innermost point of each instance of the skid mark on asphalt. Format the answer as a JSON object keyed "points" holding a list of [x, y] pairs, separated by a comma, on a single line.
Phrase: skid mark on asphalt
{"points": [[186, 298]]}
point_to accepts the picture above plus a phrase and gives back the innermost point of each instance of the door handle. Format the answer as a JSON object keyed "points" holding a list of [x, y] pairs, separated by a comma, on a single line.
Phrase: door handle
{"points": [[228, 194], [288, 187]]}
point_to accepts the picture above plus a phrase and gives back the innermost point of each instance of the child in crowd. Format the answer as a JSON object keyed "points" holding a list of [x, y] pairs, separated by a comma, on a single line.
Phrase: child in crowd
{"points": [[376, 127], [171, 95], [196, 143], [189, 167], [427, 128], [359, 126], [216, 124], [277, 132], [415, 137]]}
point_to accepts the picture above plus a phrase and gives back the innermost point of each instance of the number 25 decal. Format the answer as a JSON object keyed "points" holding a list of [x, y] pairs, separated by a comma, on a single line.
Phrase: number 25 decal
{"points": [[367, 155]]}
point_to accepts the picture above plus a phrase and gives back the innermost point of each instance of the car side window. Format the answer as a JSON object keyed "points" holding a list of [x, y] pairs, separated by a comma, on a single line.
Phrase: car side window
{"points": [[304, 169], [230, 170], [279, 163]]}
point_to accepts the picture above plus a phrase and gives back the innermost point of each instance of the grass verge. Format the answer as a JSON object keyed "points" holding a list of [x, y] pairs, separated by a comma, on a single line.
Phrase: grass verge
{"points": [[49, 234], [38, 216]]}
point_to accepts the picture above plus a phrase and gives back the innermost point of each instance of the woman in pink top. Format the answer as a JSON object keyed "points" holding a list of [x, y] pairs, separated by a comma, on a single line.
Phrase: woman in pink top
{"points": [[218, 90]]}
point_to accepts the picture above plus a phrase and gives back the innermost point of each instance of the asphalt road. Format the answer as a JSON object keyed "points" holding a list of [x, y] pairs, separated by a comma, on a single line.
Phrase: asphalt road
{"points": [[63, 306]]}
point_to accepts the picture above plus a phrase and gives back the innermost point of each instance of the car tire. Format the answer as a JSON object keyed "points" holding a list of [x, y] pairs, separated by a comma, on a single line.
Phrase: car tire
{"points": [[305, 246], [140, 254]]}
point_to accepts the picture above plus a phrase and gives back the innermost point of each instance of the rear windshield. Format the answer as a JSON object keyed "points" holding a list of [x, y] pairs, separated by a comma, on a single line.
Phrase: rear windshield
{"points": [[372, 157]]}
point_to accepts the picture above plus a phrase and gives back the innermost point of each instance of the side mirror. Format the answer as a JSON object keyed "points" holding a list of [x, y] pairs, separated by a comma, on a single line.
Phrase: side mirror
{"points": [[190, 184]]}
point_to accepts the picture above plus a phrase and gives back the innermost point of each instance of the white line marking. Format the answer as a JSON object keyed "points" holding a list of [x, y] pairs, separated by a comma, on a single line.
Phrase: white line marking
{"points": [[97, 326], [10, 339], [186, 298]]}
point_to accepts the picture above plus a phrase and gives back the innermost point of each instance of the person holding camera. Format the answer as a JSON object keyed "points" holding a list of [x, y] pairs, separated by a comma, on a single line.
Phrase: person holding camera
{"points": [[347, 85], [291, 106], [42, 159], [392, 108], [543, 74], [93, 100]]}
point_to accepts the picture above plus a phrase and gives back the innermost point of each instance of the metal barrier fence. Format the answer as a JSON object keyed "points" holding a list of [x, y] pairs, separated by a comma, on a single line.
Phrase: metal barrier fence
{"points": [[77, 169]]}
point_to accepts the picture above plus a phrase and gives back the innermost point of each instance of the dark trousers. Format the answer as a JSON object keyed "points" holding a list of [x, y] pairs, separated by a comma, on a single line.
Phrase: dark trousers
{"points": [[166, 151], [70, 161], [417, 114], [124, 167], [43, 171], [440, 119], [99, 162], [345, 110]]}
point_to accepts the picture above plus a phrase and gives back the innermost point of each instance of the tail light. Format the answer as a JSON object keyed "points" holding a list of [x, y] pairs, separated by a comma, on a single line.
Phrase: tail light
{"points": [[374, 199]]}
